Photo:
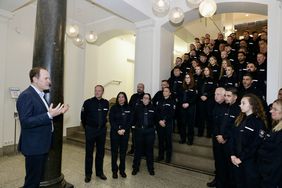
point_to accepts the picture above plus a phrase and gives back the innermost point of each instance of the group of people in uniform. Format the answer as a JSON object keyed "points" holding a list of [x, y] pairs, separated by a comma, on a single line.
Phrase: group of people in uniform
{"points": [[220, 85]]}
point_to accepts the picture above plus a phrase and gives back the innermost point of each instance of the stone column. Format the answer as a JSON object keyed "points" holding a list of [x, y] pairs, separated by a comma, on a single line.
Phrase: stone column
{"points": [[49, 53], [153, 55]]}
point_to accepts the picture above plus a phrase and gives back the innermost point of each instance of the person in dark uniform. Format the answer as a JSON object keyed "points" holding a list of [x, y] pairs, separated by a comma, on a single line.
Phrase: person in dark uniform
{"points": [[165, 112], [175, 84], [93, 118], [206, 94], [144, 119], [223, 134], [270, 152], [218, 113], [120, 120], [246, 138], [214, 67], [159, 95], [230, 80], [188, 102], [134, 101], [248, 87]]}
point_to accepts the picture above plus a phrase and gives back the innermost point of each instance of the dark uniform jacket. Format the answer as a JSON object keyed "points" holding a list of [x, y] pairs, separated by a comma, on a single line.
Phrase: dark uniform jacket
{"points": [[270, 160], [166, 109], [140, 114], [135, 100], [189, 96], [247, 138], [94, 113], [229, 117], [120, 117], [207, 87]]}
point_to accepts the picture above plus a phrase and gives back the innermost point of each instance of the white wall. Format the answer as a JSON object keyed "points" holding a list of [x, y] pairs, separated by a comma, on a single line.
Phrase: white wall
{"points": [[16, 53], [73, 83], [4, 18], [18, 61], [109, 62]]}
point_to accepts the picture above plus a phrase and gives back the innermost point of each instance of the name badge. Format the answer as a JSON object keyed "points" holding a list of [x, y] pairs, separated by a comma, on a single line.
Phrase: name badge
{"points": [[250, 129]]}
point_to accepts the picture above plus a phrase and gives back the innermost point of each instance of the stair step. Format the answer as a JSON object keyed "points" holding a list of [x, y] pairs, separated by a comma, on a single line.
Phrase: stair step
{"points": [[197, 157]]}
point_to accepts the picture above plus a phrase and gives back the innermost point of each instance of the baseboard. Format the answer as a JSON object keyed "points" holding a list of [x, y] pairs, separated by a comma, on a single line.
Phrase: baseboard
{"points": [[8, 150]]}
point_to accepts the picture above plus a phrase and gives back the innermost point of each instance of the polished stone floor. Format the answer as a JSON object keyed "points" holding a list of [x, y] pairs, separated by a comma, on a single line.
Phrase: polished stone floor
{"points": [[12, 173]]}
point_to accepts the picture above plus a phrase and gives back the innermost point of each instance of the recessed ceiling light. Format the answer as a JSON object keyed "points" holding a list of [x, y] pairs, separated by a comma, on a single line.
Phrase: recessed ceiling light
{"points": [[247, 15]]}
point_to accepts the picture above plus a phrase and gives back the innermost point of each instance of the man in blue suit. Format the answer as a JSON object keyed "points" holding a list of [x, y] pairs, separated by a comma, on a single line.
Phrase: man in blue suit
{"points": [[36, 125]]}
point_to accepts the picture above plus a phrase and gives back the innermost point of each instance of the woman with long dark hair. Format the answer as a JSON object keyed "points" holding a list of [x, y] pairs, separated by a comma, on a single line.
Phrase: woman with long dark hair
{"points": [[120, 120], [246, 138], [188, 103], [206, 98]]}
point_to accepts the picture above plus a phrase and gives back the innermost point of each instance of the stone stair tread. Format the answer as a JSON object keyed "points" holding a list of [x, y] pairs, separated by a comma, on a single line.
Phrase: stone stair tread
{"points": [[194, 150], [197, 157]]}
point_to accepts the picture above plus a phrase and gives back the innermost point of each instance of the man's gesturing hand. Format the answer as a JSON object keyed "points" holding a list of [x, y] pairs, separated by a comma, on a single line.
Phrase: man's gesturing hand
{"points": [[59, 109]]}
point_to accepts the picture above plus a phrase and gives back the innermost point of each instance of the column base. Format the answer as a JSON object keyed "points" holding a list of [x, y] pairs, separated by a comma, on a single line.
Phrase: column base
{"points": [[59, 182]]}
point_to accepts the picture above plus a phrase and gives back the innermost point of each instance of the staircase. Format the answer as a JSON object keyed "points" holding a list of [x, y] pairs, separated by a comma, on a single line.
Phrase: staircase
{"points": [[197, 157]]}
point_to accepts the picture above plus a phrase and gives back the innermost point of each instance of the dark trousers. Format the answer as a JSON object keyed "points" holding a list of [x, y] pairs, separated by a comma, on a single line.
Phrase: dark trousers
{"points": [[188, 123], [98, 137], [118, 146], [205, 117], [222, 165], [132, 139], [34, 167], [144, 143], [246, 175], [165, 140], [270, 173], [177, 118]]}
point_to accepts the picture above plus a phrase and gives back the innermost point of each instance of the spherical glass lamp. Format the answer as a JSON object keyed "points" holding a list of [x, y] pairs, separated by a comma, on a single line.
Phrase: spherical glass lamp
{"points": [[78, 41], [207, 8], [91, 37], [176, 15], [72, 30], [194, 2], [160, 6]]}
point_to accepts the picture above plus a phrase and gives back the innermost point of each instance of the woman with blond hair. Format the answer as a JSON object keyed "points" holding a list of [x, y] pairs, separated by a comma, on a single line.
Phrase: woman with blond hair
{"points": [[270, 152], [246, 138]]}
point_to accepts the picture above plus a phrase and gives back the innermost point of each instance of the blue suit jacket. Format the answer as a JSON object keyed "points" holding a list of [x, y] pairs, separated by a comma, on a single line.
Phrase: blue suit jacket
{"points": [[36, 126]]}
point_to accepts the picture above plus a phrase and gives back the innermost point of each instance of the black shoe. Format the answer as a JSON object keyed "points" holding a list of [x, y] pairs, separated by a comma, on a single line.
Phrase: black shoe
{"points": [[181, 142], [212, 183], [87, 179], [152, 172], [168, 160], [102, 176], [134, 172], [159, 159], [115, 175], [130, 152], [190, 143], [123, 174]]}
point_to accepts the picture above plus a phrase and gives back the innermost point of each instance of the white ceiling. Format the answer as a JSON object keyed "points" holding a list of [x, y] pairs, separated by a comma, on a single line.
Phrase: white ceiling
{"points": [[91, 11]]}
